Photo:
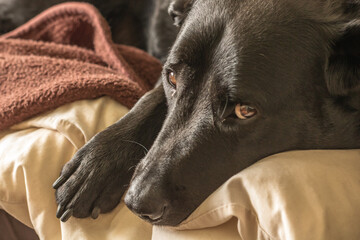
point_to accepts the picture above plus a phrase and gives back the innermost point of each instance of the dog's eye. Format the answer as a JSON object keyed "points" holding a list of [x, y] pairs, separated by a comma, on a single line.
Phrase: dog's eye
{"points": [[172, 79], [244, 112]]}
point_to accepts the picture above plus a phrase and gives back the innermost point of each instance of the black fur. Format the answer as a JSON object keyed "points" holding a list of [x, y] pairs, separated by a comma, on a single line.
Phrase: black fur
{"points": [[295, 61], [343, 72]]}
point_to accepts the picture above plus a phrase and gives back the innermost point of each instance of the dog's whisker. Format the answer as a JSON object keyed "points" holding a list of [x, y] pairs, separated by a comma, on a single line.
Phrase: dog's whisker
{"points": [[139, 144], [223, 112], [131, 168]]}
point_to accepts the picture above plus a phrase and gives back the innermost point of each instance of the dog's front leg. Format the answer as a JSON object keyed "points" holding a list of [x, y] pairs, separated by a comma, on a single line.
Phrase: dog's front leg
{"points": [[94, 181]]}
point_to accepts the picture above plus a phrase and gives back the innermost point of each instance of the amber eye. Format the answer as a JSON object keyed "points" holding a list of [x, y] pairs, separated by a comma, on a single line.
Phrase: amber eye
{"points": [[172, 79], [244, 111]]}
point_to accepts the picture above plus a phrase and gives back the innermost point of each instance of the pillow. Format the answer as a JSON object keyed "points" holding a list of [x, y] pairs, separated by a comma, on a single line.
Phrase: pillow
{"points": [[293, 195]]}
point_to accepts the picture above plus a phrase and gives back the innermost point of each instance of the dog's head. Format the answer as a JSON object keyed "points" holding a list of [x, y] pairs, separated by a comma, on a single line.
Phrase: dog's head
{"points": [[244, 80]]}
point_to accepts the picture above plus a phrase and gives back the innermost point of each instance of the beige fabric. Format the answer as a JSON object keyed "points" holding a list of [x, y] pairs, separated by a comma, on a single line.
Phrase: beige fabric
{"points": [[31, 156], [295, 195]]}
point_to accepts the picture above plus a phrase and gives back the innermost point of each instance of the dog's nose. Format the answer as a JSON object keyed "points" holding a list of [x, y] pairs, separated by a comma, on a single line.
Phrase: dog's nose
{"points": [[154, 216], [150, 205]]}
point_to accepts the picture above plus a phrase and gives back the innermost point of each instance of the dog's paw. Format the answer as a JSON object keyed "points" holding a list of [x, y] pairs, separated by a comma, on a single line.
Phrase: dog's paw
{"points": [[94, 181]]}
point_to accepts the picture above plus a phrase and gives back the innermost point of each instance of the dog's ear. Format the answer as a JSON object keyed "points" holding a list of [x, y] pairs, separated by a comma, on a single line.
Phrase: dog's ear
{"points": [[343, 69], [178, 10]]}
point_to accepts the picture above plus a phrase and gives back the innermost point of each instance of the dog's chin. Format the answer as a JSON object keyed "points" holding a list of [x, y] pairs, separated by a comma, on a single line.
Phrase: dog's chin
{"points": [[164, 221]]}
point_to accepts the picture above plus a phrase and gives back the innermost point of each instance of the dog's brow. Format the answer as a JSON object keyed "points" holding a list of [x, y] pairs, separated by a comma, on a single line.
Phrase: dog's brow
{"points": [[172, 64]]}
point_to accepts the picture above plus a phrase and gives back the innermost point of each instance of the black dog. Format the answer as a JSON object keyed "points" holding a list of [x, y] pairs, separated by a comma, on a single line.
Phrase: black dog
{"points": [[243, 80]]}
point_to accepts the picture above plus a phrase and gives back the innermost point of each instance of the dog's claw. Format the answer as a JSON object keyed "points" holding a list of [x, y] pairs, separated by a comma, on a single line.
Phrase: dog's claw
{"points": [[60, 181], [59, 211], [95, 213], [67, 214]]}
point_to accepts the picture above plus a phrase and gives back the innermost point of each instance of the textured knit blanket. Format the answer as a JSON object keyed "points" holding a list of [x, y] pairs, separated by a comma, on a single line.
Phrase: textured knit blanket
{"points": [[66, 54]]}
